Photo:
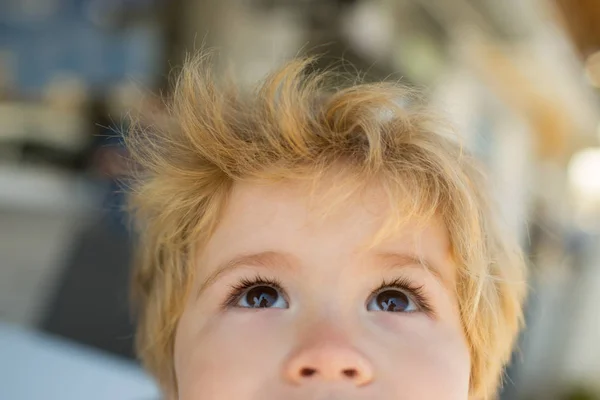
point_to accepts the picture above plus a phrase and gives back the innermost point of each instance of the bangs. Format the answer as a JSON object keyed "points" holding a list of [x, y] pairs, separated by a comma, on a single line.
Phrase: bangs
{"points": [[399, 198]]}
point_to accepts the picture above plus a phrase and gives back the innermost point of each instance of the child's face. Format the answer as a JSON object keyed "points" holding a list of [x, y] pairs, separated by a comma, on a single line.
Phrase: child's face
{"points": [[287, 306]]}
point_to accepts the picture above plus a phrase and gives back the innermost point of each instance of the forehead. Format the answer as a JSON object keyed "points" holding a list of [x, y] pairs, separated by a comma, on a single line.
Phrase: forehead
{"points": [[308, 220]]}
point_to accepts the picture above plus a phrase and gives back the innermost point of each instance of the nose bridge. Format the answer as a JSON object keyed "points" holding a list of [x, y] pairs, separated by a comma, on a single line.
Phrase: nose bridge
{"points": [[325, 354]]}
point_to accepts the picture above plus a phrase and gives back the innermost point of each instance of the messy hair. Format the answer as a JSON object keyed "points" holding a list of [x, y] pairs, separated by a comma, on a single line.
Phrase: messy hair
{"points": [[295, 125]]}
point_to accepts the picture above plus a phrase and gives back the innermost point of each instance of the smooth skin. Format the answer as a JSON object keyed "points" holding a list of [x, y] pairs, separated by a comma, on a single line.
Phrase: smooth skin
{"points": [[325, 332]]}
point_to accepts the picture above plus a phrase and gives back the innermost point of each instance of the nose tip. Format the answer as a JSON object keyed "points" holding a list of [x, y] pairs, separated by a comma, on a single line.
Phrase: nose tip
{"points": [[332, 363]]}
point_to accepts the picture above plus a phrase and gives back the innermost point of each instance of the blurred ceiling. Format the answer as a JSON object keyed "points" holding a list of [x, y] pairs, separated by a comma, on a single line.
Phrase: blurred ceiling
{"points": [[511, 45]]}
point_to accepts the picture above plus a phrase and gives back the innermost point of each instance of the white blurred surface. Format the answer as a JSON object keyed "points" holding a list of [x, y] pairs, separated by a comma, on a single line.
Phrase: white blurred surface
{"points": [[41, 211], [45, 189], [36, 366]]}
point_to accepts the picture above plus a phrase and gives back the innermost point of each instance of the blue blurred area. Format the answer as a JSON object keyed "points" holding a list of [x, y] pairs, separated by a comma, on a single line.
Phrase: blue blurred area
{"points": [[36, 366], [68, 40]]}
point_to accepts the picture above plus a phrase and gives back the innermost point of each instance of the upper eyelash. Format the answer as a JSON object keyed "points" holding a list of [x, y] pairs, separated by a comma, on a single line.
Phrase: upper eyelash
{"points": [[416, 292], [245, 283]]}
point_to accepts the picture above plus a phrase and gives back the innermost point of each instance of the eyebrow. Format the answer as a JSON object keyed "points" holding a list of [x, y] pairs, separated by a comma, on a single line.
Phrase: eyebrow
{"points": [[287, 261], [264, 259], [398, 260]]}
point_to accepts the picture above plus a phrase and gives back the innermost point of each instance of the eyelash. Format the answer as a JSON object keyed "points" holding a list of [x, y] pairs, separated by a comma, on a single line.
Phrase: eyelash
{"points": [[416, 292], [238, 289]]}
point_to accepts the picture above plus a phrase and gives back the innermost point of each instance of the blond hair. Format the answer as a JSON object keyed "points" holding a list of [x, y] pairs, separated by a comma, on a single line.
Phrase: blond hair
{"points": [[293, 126]]}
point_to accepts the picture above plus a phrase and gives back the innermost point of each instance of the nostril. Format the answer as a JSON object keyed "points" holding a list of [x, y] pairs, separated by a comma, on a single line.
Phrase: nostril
{"points": [[350, 373], [308, 372]]}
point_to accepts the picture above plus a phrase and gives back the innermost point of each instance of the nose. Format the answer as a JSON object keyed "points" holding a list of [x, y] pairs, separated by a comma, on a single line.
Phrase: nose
{"points": [[330, 362]]}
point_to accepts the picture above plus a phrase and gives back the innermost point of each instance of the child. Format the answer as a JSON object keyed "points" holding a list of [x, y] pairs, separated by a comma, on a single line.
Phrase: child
{"points": [[302, 242]]}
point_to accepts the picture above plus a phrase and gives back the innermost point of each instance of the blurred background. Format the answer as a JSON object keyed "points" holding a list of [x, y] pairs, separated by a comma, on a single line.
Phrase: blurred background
{"points": [[520, 79]]}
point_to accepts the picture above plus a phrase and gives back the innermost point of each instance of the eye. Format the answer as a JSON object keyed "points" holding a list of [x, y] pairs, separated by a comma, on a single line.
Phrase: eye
{"points": [[261, 296], [392, 300]]}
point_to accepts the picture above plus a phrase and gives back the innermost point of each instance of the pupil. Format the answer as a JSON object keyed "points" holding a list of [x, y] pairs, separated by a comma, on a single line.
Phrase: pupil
{"points": [[262, 297], [392, 300]]}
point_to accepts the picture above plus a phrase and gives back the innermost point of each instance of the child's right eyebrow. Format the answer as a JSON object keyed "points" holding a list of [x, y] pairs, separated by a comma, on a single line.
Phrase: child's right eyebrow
{"points": [[264, 259]]}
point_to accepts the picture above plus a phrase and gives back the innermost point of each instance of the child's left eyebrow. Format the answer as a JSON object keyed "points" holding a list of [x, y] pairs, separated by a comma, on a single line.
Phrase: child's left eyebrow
{"points": [[390, 260]]}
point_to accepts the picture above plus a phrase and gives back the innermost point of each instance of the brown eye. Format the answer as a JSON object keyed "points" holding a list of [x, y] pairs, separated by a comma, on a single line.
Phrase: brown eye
{"points": [[391, 300], [262, 296]]}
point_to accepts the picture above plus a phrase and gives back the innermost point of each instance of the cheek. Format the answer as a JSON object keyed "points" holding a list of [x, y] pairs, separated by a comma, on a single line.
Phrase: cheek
{"points": [[229, 356], [430, 361]]}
